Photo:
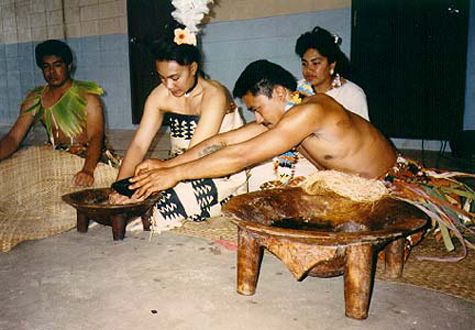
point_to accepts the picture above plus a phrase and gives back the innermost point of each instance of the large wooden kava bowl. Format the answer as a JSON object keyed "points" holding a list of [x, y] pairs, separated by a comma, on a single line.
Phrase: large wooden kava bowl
{"points": [[322, 235]]}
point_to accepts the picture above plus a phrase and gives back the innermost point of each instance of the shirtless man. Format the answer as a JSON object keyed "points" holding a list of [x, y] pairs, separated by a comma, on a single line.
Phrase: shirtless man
{"points": [[322, 130], [82, 128]]}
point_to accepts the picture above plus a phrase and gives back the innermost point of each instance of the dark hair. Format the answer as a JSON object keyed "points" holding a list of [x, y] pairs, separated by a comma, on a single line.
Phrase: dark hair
{"points": [[53, 47], [260, 77], [165, 49], [327, 45]]}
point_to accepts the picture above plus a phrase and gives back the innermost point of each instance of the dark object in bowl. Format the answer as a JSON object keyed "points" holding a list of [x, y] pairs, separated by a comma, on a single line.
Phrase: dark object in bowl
{"points": [[122, 187]]}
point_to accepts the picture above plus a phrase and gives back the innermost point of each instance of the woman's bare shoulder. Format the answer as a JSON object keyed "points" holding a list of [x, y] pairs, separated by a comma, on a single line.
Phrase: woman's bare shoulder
{"points": [[158, 94]]}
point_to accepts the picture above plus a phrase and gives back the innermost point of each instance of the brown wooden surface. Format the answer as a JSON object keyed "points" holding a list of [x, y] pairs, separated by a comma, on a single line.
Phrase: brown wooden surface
{"points": [[346, 221], [394, 258], [82, 222], [358, 278], [248, 263], [339, 236], [93, 204], [118, 226]]}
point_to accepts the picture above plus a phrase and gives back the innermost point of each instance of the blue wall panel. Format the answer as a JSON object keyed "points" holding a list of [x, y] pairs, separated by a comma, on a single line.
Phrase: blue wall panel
{"points": [[227, 48]]}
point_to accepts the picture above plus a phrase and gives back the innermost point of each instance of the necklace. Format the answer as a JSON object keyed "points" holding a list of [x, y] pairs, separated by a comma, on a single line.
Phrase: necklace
{"points": [[284, 164], [188, 92]]}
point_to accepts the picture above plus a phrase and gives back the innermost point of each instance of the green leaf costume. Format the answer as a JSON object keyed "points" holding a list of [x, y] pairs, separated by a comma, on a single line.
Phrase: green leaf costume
{"points": [[69, 116], [69, 113]]}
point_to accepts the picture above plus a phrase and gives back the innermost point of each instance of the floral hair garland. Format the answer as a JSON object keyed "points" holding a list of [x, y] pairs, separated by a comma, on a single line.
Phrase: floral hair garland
{"points": [[190, 13]]}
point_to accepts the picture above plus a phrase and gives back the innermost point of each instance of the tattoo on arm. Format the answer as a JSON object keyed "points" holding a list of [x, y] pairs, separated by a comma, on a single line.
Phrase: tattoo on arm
{"points": [[211, 149]]}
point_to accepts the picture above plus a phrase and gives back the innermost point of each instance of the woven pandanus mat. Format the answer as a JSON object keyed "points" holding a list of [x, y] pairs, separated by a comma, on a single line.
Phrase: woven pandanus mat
{"points": [[456, 279], [214, 229], [453, 278], [32, 182]]}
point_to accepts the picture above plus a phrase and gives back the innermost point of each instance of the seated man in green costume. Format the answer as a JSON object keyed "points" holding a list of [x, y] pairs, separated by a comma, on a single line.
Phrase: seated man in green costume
{"points": [[70, 110]]}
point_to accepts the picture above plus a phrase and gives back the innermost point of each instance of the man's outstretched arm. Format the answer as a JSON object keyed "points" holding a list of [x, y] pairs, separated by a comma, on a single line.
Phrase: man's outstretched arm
{"points": [[290, 132], [205, 147]]}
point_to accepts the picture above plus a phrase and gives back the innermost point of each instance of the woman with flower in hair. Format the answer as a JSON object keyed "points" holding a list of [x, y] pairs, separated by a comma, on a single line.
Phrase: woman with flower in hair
{"points": [[324, 68], [197, 108]]}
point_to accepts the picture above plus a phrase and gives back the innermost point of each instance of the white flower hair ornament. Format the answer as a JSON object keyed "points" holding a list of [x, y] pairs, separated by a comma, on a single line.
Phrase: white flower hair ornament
{"points": [[190, 13]]}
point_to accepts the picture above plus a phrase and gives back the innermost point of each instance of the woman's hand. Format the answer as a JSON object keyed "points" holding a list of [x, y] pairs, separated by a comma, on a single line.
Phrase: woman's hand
{"points": [[153, 181], [149, 165]]}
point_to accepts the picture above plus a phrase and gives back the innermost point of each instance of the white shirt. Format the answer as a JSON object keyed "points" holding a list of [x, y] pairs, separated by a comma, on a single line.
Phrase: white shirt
{"points": [[349, 95]]}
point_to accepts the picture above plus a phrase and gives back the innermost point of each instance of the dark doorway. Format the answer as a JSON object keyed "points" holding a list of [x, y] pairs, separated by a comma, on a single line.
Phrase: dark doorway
{"points": [[146, 22], [410, 58]]}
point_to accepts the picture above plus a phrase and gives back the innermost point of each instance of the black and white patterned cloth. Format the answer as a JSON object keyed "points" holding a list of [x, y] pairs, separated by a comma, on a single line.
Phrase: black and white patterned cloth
{"points": [[194, 200]]}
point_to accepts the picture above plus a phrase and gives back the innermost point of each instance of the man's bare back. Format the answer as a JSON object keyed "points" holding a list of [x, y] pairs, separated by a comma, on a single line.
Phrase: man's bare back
{"points": [[347, 142]]}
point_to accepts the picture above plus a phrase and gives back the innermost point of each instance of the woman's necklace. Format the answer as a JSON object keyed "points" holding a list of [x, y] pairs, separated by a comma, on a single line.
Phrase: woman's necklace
{"points": [[188, 92]]}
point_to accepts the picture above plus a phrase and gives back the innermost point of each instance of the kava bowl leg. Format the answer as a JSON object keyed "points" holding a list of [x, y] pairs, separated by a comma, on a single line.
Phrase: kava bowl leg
{"points": [[82, 222], [394, 258], [118, 226], [358, 278], [248, 263]]}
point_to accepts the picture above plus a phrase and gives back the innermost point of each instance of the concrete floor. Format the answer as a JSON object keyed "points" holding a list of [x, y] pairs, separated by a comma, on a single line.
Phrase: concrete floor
{"points": [[87, 281]]}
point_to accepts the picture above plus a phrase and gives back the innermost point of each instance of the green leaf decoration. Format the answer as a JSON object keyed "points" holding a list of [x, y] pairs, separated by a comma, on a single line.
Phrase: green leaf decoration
{"points": [[90, 87], [449, 245], [462, 193], [34, 107], [68, 114], [34, 97]]}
